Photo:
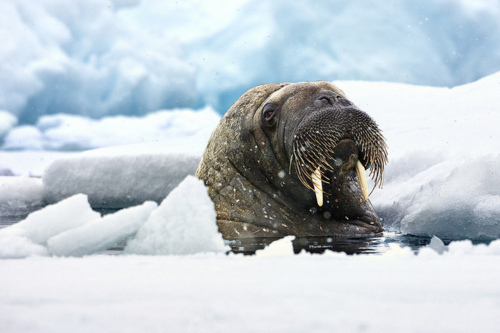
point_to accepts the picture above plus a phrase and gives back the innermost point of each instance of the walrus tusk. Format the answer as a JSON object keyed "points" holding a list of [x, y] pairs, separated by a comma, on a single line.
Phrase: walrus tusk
{"points": [[318, 186], [360, 170]]}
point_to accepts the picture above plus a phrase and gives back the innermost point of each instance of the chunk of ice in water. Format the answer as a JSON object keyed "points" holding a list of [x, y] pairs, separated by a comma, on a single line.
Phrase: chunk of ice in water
{"points": [[102, 233], [280, 247], [184, 223], [437, 245], [67, 214], [15, 246]]}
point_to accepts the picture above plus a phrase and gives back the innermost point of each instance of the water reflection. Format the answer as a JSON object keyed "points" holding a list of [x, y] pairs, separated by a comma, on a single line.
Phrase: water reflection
{"points": [[361, 245], [368, 245]]}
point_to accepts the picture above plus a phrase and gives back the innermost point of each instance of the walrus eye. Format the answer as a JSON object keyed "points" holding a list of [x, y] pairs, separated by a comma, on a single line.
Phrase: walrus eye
{"points": [[326, 100], [323, 101], [268, 112]]}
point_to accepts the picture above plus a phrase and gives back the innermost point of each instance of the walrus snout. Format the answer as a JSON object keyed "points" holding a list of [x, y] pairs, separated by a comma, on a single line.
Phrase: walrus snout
{"points": [[337, 132]]}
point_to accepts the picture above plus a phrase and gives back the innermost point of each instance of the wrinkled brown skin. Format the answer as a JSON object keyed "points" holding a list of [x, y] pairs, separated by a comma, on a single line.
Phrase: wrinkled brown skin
{"points": [[246, 170]]}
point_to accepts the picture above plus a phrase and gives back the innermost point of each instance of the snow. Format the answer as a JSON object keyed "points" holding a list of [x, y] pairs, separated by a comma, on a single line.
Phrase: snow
{"points": [[102, 233], [15, 245], [396, 292], [119, 179], [100, 58], [29, 236], [464, 204], [77, 57], [39, 226], [20, 195], [64, 132], [257, 41], [28, 164], [7, 122], [281, 247], [184, 223]]}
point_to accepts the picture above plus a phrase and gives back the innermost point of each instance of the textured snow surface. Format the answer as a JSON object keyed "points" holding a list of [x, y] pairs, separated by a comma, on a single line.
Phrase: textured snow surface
{"points": [[77, 57], [39, 226], [184, 223], [29, 236], [102, 233], [117, 180], [397, 291], [175, 129], [20, 195]]}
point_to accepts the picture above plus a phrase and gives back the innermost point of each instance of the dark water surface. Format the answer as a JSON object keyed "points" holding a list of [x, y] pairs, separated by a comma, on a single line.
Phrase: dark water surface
{"points": [[362, 245]]}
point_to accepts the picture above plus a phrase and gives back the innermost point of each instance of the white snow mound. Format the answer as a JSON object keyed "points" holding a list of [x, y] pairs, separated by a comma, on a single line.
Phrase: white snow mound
{"points": [[101, 234], [184, 223], [41, 225]]}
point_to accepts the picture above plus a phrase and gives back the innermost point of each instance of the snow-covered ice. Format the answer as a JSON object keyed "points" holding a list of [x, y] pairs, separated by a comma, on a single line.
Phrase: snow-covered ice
{"points": [[176, 129], [29, 236], [28, 164], [397, 291], [102, 233], [437, 245], [432, 43], [464, 204], [20, 195], [53, 219], [77, 57], [278, 248], [115, 179], [7, 122], [98, 58], [15, 245], [184, 223]]}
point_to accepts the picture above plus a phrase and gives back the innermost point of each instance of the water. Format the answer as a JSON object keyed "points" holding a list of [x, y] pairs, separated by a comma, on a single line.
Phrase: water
{"points": [[361, 245]]}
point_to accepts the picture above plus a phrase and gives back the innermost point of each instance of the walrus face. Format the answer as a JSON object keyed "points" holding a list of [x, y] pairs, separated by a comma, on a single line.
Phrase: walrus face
{"points": [[328, 141], [290, 159]]}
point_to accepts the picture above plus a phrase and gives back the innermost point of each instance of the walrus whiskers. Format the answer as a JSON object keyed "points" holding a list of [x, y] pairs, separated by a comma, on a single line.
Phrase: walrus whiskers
{"points": [[312, 149]]}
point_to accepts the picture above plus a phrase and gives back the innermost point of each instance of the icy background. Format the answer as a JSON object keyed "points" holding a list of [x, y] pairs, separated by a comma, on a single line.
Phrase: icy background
{"points": [[99, 58], [108, 105]]}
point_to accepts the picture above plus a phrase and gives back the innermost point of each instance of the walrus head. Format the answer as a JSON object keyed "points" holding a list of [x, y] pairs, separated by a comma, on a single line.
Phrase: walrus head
{"points": [[291, 159]]}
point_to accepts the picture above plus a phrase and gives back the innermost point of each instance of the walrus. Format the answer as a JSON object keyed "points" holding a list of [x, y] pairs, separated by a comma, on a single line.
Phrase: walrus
{"points": [[291, 159]]}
